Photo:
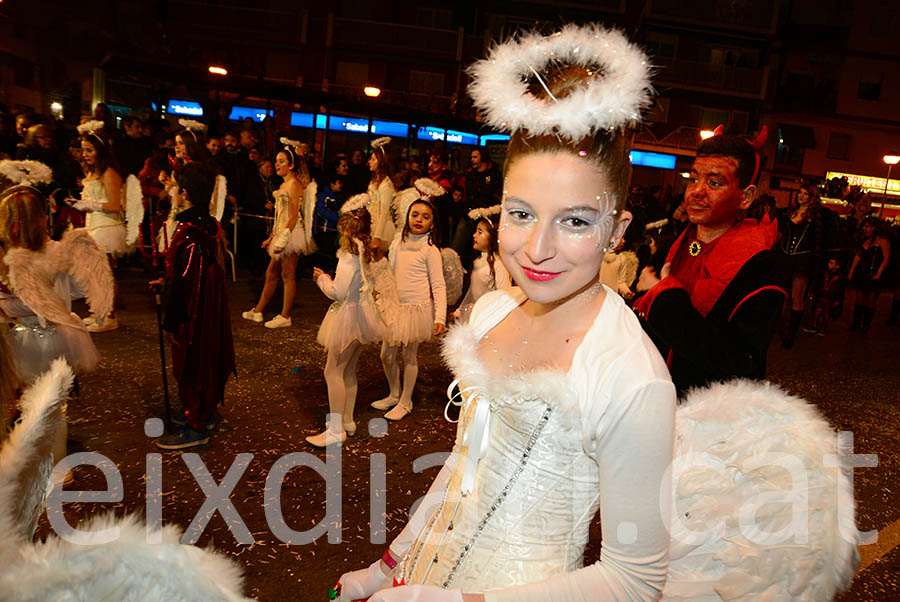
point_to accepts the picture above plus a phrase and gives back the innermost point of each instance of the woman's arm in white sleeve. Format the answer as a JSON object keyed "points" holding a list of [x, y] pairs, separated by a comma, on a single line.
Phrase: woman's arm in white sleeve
{"points": [[339, 288], [438, 286], [380, 229], [634, 457]]}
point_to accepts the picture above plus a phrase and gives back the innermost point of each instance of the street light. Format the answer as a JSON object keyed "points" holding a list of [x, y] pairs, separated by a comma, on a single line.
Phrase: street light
{"points": [[704, 134], [216, 70], [891, 160], [372, 91]]}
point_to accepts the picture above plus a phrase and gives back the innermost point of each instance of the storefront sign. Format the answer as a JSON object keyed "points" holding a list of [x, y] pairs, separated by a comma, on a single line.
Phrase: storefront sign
{"points": [[867, 183]]}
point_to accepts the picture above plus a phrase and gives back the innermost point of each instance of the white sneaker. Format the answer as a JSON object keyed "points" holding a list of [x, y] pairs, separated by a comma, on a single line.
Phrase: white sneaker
{"points": [[325, 438], [385, 404], [278, 321], [108, 324], [255, 316], [399, 412]]}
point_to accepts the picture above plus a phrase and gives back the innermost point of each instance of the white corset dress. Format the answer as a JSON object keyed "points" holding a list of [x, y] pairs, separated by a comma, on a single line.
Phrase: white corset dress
{"points": [[107, 229], [298, 243]]}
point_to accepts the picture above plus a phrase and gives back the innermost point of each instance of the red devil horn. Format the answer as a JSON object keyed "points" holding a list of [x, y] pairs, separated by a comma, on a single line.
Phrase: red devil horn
{"points": [[720, 129], [760, 140]]}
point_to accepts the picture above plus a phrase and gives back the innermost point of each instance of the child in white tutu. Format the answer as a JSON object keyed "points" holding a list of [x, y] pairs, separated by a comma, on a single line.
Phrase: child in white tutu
{"points": [[349, 324], [416, 262], [291, 235], [488, 272]]}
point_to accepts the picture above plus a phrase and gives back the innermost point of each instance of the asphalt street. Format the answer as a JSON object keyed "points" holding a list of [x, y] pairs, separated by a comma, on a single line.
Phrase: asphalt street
{"points": [[279, 397]]}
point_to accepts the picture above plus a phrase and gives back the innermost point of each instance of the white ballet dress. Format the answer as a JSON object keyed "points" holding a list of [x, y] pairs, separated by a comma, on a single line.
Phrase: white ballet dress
{"points": [[349, 318], [297, 243], [481, 283], [107, 229], [418, 272], [553, 448], [381, 198]]}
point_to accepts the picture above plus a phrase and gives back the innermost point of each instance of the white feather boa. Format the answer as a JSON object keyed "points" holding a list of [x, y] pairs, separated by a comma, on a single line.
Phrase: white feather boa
{"points": [[134, 210], [220, 192]]}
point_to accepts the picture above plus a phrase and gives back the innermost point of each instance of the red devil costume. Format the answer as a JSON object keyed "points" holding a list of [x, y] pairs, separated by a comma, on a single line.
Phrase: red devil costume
{"points": [[197, 314], [712, 316]]}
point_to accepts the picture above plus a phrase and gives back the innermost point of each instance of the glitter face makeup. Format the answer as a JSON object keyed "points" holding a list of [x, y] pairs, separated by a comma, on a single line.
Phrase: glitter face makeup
{"points": [[556, 221]]}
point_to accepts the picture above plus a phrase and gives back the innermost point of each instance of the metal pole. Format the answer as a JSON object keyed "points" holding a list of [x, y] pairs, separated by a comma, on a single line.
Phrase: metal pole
{"points": [[884, 198], [162, 360]]}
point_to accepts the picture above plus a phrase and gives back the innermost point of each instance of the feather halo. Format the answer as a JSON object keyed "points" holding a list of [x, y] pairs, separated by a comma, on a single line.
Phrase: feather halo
{"points": [[192, 125], [26, 172], [355, 203], [428, 187], [379, 142], [294, 144], [484, 212], [613, 98], [90, 127]]}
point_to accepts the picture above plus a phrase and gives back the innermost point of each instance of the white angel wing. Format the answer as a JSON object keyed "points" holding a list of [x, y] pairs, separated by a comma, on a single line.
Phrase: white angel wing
{"points": [[220, 191], [400, 207], [381, 278], [90, 268], [134, 210], [453, 275], [759, 511], [309, 209], [31, 277], [127, 568], [26, 458]]}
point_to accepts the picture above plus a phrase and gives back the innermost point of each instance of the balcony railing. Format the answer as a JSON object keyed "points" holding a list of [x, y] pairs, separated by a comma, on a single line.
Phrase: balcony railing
{"points": [[682, 138], [723, 79], [758, 16]]}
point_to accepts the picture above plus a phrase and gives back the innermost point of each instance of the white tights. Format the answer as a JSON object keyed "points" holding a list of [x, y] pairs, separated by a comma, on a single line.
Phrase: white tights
{"points": [[390, 359], [340, 377]]}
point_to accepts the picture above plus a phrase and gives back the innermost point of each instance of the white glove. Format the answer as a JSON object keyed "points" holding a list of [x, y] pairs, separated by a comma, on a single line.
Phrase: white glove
{"points": [[84, 205], [418, 593], [359, 585], [281, 241]]}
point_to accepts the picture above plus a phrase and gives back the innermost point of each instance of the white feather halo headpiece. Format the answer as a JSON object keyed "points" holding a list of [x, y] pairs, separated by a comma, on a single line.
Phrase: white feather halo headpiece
{"points": [[355, 203], [26, 172], [657, 224], [90, 127], [484, 212], [379, 142], [619, 88], [192, 125], [429, 188], [294, 144]]}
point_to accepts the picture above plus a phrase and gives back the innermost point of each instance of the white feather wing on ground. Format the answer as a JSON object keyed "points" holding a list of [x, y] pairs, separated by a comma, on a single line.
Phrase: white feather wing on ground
{"points": [[90, 268], [749, 447], [134, 210], [220, 192], [453, 275], [309, 209], [26, 458]]}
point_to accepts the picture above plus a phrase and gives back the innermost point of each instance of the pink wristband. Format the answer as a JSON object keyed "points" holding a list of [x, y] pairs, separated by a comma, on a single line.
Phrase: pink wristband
{"points": [[387, 559]]}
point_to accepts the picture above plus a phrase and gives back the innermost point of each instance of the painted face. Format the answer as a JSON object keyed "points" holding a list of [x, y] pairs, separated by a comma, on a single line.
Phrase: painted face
{"points": [[420, 219], [556, 218], [180, 147], [373, 162], [282, 164], [88, 153], [482, 238], [713, 197]]}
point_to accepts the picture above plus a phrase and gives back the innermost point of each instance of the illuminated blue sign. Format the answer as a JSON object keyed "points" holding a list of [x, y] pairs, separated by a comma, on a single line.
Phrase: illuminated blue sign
{"points": [[238, 113], [493, 138], [648, 159], [185, 107], [462, 137], [430, 133], [390, 128], [348, 124], [302, 120]]}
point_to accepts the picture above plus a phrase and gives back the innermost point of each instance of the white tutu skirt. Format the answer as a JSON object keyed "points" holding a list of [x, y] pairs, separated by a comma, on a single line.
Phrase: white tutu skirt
{"points": [[110, 238], [346, 322], [34, 347], [297, 244], [414, 323]]}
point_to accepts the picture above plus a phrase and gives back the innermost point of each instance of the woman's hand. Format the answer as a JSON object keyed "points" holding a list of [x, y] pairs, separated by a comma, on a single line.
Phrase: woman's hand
{"points": [[359, 585], [419, 593], [316, 273], [265, 243], [648, 279], [439, 329]]}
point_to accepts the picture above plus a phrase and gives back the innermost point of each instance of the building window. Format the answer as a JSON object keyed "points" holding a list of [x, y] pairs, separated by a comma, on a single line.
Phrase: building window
{"points": [[870, 87], [661, 45], [438, 18], [712, 118], [426, 82], [839, 146], [352, 74]]}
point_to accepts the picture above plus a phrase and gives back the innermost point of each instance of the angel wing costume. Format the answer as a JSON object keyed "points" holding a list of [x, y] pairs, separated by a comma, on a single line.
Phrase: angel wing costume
{"points": [[300, 239]]}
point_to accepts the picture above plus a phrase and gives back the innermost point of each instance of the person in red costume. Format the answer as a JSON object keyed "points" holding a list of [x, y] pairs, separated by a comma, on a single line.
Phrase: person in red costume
{"points": [[712, 309]]}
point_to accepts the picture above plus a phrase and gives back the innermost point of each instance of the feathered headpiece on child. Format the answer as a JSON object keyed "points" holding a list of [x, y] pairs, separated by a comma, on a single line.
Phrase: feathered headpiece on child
{"points": [[379, 143], [423, 189], [92, 128], [292, 147], [488, 213], [611, 98], [192, 126], [355, 203], [26, 173]]}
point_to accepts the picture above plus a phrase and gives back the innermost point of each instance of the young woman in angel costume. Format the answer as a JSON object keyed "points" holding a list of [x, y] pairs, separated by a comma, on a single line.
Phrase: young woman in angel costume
{"points": [[567, 406], [39, 278], [488, 271], [291, 235]]}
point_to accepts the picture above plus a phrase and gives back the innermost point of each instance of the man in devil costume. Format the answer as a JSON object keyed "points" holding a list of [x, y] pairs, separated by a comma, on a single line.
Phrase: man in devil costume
{"points": [[197, 320], [712, 309]]}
